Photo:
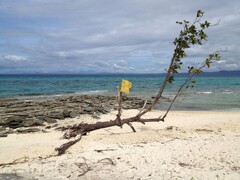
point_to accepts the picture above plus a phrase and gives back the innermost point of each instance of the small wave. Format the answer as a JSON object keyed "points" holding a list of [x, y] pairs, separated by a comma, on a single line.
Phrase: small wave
{"points": [[80, 93], [205, 92], [57, 95], [64, 94], [92, 92], [227, 91]]}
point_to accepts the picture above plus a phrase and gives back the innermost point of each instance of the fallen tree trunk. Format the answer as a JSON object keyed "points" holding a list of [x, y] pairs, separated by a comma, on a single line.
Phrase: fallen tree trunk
{"points": [[84, 128]]}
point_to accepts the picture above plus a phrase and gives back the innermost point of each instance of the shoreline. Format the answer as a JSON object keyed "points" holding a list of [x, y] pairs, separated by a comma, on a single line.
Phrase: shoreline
{"points": [[202, 145]]}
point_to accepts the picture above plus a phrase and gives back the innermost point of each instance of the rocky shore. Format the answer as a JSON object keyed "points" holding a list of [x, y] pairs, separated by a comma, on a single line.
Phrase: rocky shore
{"points": [[23, 116]]}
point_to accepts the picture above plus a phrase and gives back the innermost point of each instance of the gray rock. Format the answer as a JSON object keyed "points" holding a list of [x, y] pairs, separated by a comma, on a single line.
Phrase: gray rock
{"points": [[3, 132], [74, 114], [66, 112], [47, 119], [3, 121], [72, 105], [33, 122], [88, 101], [95, 116], [50, 120], [56, 115], [12, 176], [88, 109], [55, 125], [28, 130], [14, 122], [83, 105], [126, 106]]}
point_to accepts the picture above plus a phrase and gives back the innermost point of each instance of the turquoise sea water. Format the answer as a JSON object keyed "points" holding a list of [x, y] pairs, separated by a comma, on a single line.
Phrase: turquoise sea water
{"points": [[210, 92]]}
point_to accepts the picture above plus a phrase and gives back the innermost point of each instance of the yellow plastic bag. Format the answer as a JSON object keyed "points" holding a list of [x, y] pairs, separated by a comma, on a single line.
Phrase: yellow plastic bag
{"points": [[126, 85]]}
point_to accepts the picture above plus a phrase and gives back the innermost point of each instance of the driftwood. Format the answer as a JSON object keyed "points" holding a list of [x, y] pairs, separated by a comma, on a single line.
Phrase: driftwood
{"points": [[84, 128], [190, 35]]}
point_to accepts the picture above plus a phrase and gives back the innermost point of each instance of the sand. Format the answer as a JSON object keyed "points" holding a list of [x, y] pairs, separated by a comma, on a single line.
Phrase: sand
{"points": [[188, 145]]}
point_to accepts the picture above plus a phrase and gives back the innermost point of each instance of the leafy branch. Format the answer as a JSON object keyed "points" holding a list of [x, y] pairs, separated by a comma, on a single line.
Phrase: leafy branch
{"points": [[190, 35]]}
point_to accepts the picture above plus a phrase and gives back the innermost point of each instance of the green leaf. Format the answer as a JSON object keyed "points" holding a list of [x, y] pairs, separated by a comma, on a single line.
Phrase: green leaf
{"points": [[197, 71], [200, 13], [171, 79], [190, 69], [203, 35], [192, 29], [207, 24], [211, 56]]}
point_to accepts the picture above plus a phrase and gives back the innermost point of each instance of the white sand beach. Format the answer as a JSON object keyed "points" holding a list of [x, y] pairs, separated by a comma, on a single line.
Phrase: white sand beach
{"points": [[188, 145]]}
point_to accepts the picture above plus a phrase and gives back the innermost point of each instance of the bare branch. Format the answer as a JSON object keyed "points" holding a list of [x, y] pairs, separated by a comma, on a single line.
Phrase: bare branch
{"points": [[131, 126], [145, 103], [217, 23], [64, 147], [119, 108]]}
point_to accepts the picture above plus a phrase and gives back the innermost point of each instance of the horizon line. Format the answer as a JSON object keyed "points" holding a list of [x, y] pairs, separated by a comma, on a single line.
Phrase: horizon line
{"points": [[109, 73]]}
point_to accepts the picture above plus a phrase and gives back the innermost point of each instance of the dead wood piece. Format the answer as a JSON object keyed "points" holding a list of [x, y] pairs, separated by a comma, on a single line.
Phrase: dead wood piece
{"points": [[171, 128], [107, 161], [84, 168], [184, 164], [164, 142], [62, 149], [101, 150], [16, 161], [119, 108], [204, 130], [131, 126]]}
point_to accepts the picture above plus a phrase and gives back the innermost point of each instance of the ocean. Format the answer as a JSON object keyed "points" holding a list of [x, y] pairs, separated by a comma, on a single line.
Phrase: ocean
{"points": [[212, 91]]}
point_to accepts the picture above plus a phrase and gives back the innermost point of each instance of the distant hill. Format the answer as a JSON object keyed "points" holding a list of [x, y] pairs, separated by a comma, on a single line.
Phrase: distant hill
{"points": [[221, 73]]}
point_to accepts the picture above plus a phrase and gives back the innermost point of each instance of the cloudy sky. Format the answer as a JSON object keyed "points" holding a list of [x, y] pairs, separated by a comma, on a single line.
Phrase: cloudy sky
{"points": [[119, 36]]}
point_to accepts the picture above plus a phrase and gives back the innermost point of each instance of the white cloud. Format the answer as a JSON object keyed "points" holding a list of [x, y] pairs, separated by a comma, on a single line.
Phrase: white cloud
{"points": [[232, 66], [123, 66], [102, 64], [221, 61], [117, 67], [13, 58], [122, 63]]}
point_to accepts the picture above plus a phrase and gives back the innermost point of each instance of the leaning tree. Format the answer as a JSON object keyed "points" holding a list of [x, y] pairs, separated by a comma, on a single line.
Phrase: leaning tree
{"points": [[190, 35]]}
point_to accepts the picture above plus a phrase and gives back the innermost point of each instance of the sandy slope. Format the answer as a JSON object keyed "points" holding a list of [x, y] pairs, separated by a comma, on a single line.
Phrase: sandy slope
{"points": [[201, 145]]}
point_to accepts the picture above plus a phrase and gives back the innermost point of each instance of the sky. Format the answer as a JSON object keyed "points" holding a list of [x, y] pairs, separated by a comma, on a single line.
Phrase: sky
{"points": [[110, 36]]}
